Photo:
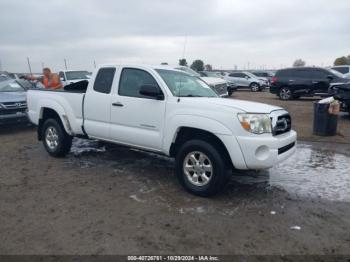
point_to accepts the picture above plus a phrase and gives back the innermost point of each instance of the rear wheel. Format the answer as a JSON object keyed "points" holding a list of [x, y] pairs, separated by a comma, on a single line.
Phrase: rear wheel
{"points": [[254, 87], [285, 93], [55, 139], [200, 168]]}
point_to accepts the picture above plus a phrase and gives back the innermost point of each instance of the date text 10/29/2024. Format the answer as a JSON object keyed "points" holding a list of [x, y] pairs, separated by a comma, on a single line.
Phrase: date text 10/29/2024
{"points": [[173, 258]]}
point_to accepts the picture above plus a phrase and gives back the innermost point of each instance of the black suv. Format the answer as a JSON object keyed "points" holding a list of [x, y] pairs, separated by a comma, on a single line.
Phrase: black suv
{"points": [[292, 83]]}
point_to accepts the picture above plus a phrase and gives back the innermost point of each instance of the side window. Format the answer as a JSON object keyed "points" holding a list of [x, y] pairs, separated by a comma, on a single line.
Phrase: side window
{"points": [[104, 80], [319, 74], [239, 75], [131, 81], [62, 76], [303, 73], [284, 73]]}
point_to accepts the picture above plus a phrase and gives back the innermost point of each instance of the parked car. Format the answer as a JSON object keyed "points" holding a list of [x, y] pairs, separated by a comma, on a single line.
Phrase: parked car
{"points": [[13, 105], [72, 76], [342, 94], [264, 75], [220, 86], [345, 69], [211, 74], [3, 77], [246, 80], [293, 83], [169, 112], [9, 75]]}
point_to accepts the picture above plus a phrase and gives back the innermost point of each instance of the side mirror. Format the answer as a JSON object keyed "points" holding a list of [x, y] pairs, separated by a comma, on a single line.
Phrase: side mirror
{"points": [[152, 91], [62, 79], [330, 77], [247, 77]]}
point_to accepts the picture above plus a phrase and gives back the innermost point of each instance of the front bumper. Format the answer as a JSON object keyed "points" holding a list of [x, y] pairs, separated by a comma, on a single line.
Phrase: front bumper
{"points": [[266, 151], [14, 118]]}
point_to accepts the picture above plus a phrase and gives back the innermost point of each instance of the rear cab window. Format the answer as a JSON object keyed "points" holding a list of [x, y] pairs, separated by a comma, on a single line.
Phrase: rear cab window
{"points": [[104, 80]]}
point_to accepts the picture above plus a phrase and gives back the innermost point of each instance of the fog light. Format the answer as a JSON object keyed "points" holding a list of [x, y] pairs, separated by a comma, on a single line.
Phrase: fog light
{"points": [[262, 153]]}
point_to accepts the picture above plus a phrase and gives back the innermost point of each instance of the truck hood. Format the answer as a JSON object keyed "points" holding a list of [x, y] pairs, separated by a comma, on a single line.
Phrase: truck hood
{"points": [[12, 97], [213, 80], [246, 106]]}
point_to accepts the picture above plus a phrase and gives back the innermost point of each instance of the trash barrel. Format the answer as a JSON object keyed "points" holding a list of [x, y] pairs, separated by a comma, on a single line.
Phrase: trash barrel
{"points": [[325, 124]]}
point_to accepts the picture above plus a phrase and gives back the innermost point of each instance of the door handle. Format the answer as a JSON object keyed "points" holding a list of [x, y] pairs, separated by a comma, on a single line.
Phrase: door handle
{"points": [[291, 80], [315, 82], [117, 104]]}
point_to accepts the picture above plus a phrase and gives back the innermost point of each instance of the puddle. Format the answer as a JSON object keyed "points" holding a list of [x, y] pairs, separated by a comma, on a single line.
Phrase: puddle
{"points": [[316, 170], [82, 146]]}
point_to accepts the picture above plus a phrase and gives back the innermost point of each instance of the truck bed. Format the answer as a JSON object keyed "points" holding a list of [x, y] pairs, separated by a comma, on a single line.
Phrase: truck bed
{"points": [[65, 103]]}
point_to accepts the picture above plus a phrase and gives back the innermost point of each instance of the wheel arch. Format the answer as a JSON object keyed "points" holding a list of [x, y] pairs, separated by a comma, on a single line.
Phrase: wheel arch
{"points": [[186, 133], [50, 113]]}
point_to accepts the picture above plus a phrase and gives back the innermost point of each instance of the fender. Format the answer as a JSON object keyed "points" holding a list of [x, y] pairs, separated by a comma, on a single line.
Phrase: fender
{"points": [[51, 104], [192, 121]]}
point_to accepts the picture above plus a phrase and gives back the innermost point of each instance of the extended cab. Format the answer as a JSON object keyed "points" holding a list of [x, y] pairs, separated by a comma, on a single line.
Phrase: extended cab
{"points": [[169, 112]]}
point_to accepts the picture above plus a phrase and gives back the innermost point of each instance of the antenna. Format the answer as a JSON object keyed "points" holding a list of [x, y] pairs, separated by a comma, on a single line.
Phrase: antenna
{"points": [[65, 63], [30, 68], [0, 65]]}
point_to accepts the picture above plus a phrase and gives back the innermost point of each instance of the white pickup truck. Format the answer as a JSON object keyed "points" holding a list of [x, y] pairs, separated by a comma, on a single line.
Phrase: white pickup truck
{"points": [[168, 112], [68, 77]]}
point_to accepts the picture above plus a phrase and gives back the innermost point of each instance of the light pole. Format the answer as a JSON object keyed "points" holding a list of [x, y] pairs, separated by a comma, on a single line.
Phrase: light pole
{"points": [[30, 68]]}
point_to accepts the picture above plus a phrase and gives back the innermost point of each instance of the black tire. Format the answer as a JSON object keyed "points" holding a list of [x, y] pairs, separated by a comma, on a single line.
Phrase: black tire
{"points": [[64, 141], [230, 92], [254, 87], [218, 176], [285, 93]]}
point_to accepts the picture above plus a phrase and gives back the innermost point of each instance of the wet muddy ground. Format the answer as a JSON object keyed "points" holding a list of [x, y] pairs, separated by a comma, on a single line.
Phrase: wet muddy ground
{"points": [[106, 199]]}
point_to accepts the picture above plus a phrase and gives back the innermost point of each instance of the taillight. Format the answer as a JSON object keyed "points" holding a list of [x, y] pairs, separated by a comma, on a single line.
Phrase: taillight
{"points": [[274, 80]]}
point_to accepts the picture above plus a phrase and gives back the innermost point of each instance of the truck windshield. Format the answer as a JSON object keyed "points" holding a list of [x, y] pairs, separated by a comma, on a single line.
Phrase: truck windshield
{"points": [[185, 85], [10, 86], [74, 75]]}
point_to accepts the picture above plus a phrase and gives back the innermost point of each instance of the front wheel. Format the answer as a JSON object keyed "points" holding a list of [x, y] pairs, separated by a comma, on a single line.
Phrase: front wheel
{"points": [[200, 168], [254, 87], [55, 139], [285, 93]]}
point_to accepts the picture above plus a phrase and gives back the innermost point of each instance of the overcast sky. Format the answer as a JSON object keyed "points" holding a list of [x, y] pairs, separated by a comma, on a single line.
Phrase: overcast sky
{"points": [[260, 33]]}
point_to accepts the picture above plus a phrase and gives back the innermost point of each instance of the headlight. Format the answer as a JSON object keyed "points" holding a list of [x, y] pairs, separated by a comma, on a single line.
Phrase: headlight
{"points": [[255, 123]]}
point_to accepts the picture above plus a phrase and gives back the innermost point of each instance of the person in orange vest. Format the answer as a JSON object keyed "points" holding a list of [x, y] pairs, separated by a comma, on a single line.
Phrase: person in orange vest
{"points": [[49, 79]]}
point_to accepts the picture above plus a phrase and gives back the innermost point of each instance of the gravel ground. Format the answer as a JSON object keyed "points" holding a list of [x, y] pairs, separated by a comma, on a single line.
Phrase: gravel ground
{"points": [[104, 199]]}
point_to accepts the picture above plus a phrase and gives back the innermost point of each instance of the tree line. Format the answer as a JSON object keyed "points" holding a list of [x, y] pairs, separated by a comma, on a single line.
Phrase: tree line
{"points": [[197, 65], [344, 60]]}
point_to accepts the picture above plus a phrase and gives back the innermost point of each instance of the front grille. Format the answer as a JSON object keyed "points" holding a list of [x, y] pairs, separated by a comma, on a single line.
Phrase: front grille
{"points": [[12, 111], [14, 105], [286, 148], [221, 89], [281, 122]]}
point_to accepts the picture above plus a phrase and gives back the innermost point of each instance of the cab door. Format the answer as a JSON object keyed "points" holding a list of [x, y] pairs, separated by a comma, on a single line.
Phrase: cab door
{"points": [[97, 104], [137, 119]]}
